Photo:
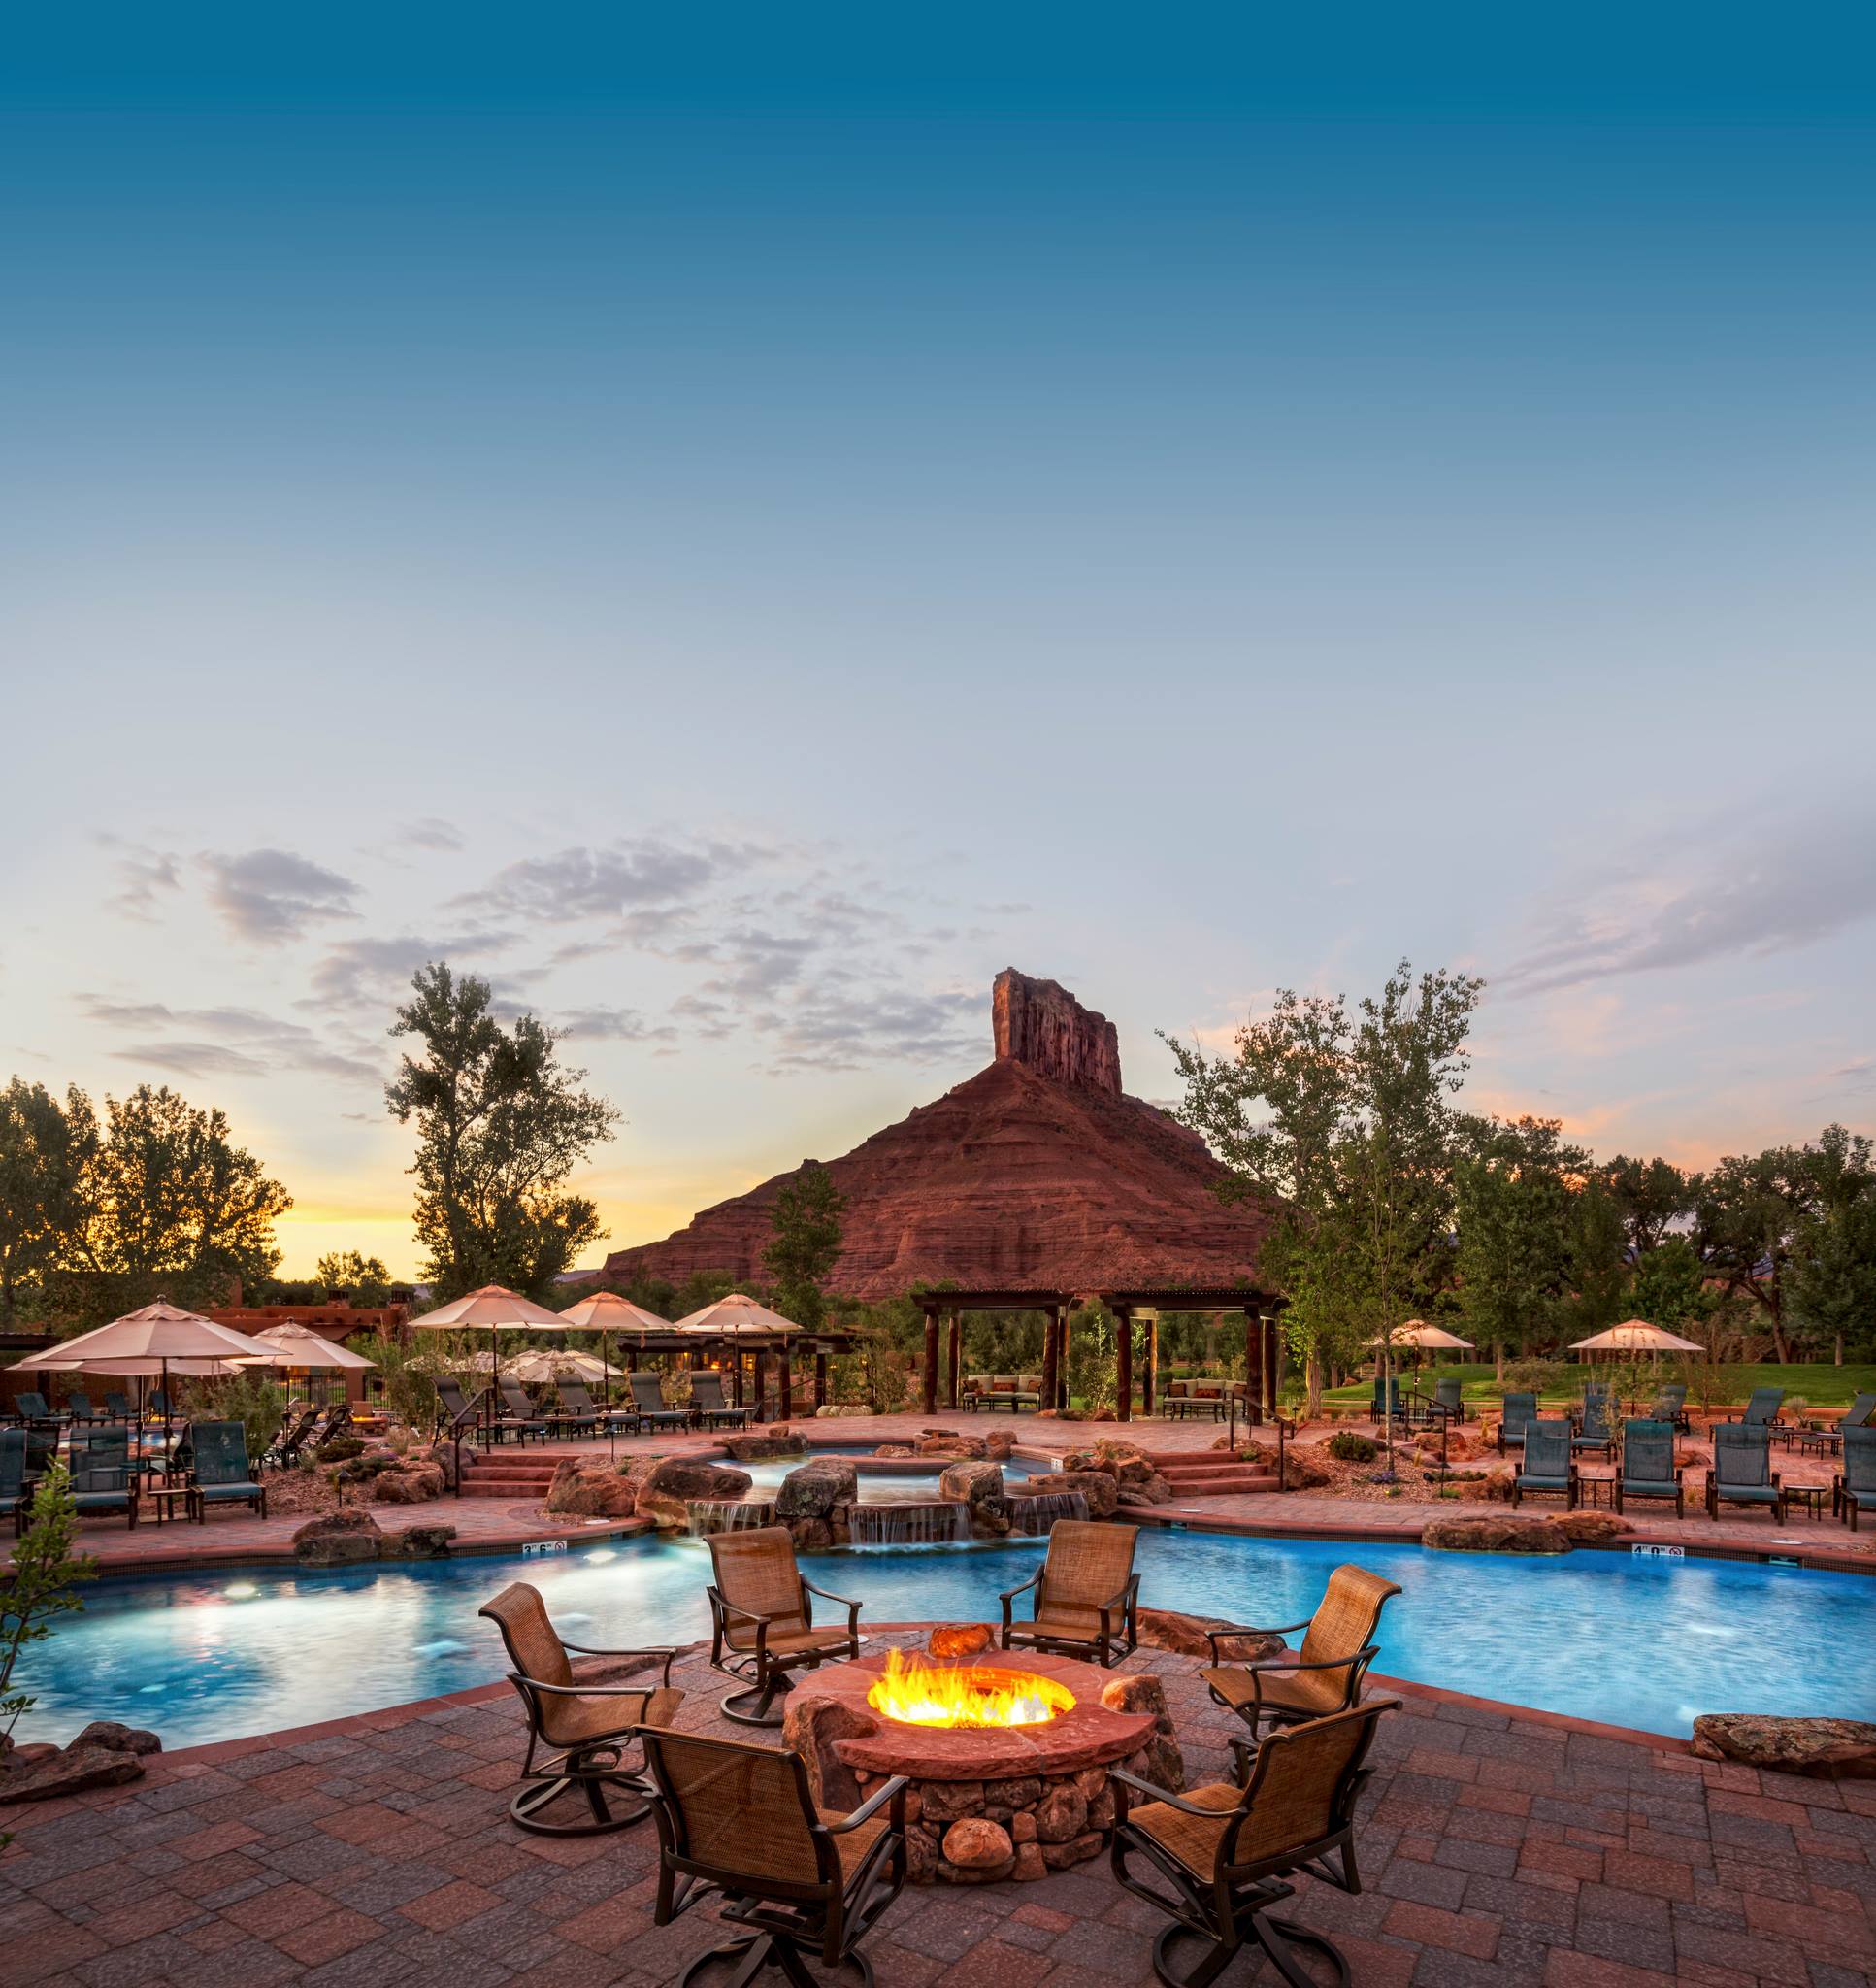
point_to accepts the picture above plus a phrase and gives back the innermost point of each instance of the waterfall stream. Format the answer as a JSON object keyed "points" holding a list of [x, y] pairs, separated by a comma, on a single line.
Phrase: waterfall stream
{"points": [[902, 1524], [728, 1514], [1037, 1513]]}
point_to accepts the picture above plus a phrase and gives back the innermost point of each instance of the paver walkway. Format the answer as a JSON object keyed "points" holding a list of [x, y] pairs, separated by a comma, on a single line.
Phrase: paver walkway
{"points": [[1494, 1849]]}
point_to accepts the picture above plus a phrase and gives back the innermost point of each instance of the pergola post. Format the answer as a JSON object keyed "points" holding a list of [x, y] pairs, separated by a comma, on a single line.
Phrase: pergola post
{"points": [[1124, 1365], [1051, 1322], [1150, 1372], [953, 1356], [820, 1378], [785, 1382], [1273, 1355], [762, 1375], [1253, 1362], [929, 1388], [1061, 1332]]}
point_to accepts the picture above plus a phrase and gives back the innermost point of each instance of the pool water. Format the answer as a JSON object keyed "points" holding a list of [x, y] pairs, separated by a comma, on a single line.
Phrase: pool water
{"points": [[910, 1488], [1636, 1642]]}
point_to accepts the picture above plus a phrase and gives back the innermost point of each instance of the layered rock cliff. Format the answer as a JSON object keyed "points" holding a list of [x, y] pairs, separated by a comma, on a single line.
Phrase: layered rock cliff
{"points": [[1038, 1174]]}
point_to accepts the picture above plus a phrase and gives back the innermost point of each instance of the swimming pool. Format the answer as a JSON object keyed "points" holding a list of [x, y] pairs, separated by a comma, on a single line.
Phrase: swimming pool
{"points": [[1636, 1642]]}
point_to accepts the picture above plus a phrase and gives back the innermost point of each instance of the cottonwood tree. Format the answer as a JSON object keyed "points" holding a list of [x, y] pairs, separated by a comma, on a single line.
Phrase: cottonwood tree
{"points": [[806, 1223], [1514, 1186], [45, 1152], [1650, 1196], [501, 1123], [352, 1279]]}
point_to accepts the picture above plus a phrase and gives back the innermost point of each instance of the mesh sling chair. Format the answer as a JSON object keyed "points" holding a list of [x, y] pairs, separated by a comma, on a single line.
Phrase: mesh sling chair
{"points": [[1595, 1430], [1854, 1491], [740, 1821], [576, 1411], [221, 1475], [1087, 1594], [1762, 1411], [454, 1415], [707, 1398], [1742, 1470], [648, 1398], [102, 1479], [522, 1419], [1648, 1468], [1519, 1413], [13, 1476], [584, 1728], [1226, 1851], [1670, 1404], [1549, 1470], [762, 1621], [1449, 1400], [1858, 1415], [1324, 1677]]}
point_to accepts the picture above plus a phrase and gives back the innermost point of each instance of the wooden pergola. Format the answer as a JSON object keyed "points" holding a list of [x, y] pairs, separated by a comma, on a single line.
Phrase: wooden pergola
{"points": [[1263, 1345]]}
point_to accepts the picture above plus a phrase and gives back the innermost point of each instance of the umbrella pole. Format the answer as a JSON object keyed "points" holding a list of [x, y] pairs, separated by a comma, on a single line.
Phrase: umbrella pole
{"points": [[605, 1397]]}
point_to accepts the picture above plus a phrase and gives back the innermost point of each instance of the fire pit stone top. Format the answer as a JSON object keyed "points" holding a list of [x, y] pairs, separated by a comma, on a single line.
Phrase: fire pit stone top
{"points": [[1091, 1734]]}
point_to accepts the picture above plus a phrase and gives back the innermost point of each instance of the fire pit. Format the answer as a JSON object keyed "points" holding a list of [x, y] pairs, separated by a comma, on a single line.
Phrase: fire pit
{"points": [[1008, 1760]]}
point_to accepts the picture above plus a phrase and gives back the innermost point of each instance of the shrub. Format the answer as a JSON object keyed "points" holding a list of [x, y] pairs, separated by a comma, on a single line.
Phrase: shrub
{"points": [[1347, 1447], [250, 1398], [339, 1449], [1543, 1377]]}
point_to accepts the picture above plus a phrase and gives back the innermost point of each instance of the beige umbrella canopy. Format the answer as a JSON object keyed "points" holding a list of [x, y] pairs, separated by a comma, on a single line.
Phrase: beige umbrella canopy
{"points": [[735, 1317], [299, 1346], [608, 1311], [1635, 1336], [158, 1339], [1417, 1333], [541, 1364], [493, 1308]]}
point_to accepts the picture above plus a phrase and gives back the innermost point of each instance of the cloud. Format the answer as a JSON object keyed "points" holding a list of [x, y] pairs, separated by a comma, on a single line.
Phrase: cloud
{"points": [[580, 885], [431, 833], [268, 895], [611, 1025], [369, 975], [1709, 900], [144, 876], [201, 1042]]}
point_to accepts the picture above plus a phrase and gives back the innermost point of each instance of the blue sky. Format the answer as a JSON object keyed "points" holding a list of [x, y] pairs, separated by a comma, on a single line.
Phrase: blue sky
{"points": [[741, 529]]}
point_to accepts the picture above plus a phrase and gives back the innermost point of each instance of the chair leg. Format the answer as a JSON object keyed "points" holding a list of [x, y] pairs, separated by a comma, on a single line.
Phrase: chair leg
{"points": [[1278, 1937]]}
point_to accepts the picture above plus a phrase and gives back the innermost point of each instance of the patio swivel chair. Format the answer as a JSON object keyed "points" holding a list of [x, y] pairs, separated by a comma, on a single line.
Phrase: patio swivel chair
{"points": [[1762, 1411], [1595, 1432], [762, 1621], [1324, 1677], [707, 1400], [739, 1822], [1549, 1470], [103, 1482], [522, 1418], [1742, 1470], [13, 1496], [1520, 1411], [1222, 1854], [1648, 1468], [648, 1398], [1854, 1490], [1087, 1594], [222, 1476], [585, 1727]]}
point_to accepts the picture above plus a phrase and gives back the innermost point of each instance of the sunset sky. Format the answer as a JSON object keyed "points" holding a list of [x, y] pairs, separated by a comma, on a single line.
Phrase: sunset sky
{"points": [[739, 539]]}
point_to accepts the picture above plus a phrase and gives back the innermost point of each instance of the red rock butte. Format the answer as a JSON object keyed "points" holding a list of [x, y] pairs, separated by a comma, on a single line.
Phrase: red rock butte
{"points": [[1038, 1173]]}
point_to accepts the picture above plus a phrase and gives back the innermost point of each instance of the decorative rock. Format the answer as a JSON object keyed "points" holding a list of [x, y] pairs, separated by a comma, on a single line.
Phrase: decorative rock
{"points": [[413, 1486], [1820, 1749], [70, 1771], [976, 1845], [1061, 1814], [1030, 1866], [1589, 1528], [894, 1450], [999, 1445], [1060, 1856], [921, 1853], [1022, 1829], [959, 1640], [665, 1494], [810, 1726], [1023, 1792], [1510, 1534], [1154, 1490], [417, 1542], [980, 1485], [336, 1539], [1166, 1629], [595, 1487], [778, 1440], [1098, 1487], [952, 1800], [117, 1738], [813, 1489], [1304, 1468]]}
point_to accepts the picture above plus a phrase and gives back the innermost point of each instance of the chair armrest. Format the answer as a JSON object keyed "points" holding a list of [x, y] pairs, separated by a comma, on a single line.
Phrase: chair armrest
{"points": [[666, 1652], [1166, 1795], [1212, 1636], [1022, 1587], [892, 1791], [846, 1601]]}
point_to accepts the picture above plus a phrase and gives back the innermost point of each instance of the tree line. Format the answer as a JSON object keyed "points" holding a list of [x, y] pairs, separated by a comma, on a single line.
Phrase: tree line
{"points": [[1390, 1203]]}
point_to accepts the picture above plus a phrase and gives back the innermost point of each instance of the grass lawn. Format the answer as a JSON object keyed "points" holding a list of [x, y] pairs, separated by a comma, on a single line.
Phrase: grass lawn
{"points": [[1821, 1384]]}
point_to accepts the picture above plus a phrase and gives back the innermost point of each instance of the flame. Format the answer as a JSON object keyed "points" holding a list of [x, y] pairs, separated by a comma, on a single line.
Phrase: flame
{"points": [[920, 1694]]}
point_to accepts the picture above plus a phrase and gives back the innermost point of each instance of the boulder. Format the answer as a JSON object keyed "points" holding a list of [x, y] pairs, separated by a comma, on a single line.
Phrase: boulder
{"points": [[1166, 1629], [897, 1449], [67, 1771], [1005, 1798], [980, 1485], [414, 1486], [664, 1493], [959, 1639], [978, 1844], [811, 1726], [596, 1488], [1098, 1487], [1061, 1815], [921, 1853], [337, 1539], [754, 1445], [813, 1490], [1030, 1866], [951, 1801], [1590, 1528], [417, 1542], [1150, 1490], [1821, 1749], [1507, 1533], [1077, 1850], [948, 1443], [117, 1738], [999, 1445], [1304, 1467]]}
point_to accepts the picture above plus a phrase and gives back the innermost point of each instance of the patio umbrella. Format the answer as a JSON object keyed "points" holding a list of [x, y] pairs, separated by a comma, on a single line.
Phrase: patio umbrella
{"points": [[163, 1334], [1635, 1336], [606, 1312], [492, 1309], [739, 1321], [1422, 1336], [541, 1364], [291, 1345]]}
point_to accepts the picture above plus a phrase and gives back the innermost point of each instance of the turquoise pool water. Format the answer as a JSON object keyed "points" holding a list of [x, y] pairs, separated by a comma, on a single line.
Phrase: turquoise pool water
{"points": [[1636, 1642]]}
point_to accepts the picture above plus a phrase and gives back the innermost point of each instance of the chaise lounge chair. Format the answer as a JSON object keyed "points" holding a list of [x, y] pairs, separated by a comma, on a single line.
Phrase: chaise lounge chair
{"points": [[1225, 1852], [1670, 1404], [1854, 1490], [1648, 1467], [1595, 1432], [740, 1822], [1858, 1415], [585, 1728], [707, 1400], [1087, 1594], [762, 1621], [103, 1482], [291, 1440], [1742, 1470], [1549, 1470], [1324, 1677], [1520, 1411], [1762, 1411], [13, 1496], [29, 1408], [648, 1398], [522, 1418], [222, 1476], [576, 1412]]}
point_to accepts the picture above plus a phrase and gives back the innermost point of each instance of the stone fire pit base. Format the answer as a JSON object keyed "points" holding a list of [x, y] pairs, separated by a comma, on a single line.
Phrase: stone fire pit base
{"points": [[984, 1805]]}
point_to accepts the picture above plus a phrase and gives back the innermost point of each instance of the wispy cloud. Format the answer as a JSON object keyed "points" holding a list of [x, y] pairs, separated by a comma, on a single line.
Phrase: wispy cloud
{"points": [[580, 885], [1708, 899], [611, 1025], [145, 877], [431, 833], [363, 976], [216, 1041], [270, 895]]}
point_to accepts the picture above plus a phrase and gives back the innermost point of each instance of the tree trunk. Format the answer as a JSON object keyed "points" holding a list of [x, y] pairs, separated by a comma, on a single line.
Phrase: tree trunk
{"points": [[1497, 1361], [1313, 1374]]}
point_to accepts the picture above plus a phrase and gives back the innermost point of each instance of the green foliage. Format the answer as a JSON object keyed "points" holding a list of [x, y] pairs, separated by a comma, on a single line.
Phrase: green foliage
{"points": [[46, 1151], [407, 1374], [1832, 1277], [1671, 1289], [1650, 1196], [501, 1125], [1543, 1377], [38, 1588], [806, 1244], [1512, 1190], [246, 1396], [340, 1449], [1347, 1447], [350, 1278], [1597, 1271], [1092, 1381]]}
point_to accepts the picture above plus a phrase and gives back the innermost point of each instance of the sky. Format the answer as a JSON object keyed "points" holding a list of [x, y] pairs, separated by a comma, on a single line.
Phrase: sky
{"points": [[737, 527]]}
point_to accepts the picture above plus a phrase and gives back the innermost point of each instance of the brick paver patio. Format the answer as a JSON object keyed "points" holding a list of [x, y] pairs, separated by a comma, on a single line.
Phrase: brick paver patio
{"points": [[1495, 1848]]}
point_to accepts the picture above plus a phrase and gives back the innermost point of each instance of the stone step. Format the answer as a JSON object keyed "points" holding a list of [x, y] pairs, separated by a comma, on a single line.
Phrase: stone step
{"points": [[1223, 1487]]}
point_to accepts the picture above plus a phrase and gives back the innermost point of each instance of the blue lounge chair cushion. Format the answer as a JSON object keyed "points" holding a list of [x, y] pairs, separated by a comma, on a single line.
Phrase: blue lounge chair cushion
{"points": [[1527, 1483], [100, 1501], [214, 1491], [1649, 1487]]}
